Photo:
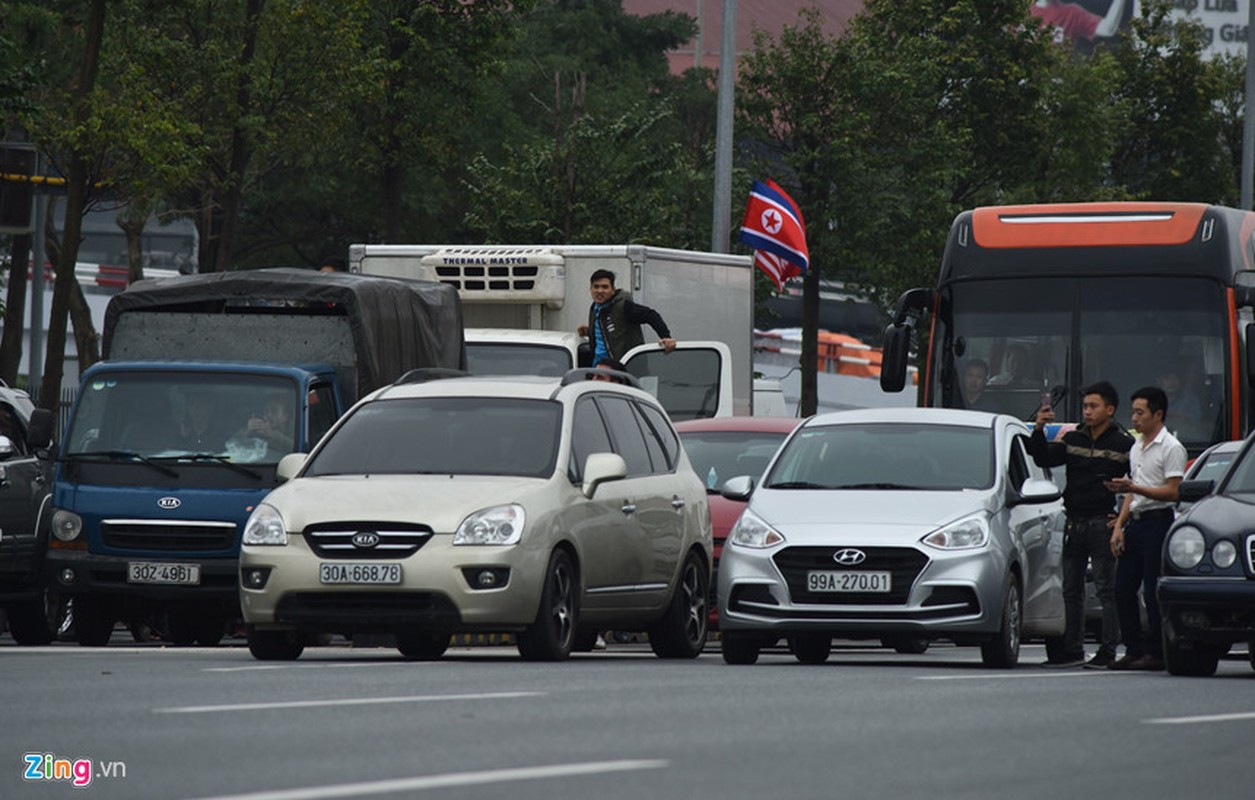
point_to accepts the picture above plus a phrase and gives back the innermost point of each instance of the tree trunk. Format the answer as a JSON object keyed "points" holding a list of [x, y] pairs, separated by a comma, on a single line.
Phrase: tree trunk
{"points": [[75, 201], [15, 308], [132, 222]]}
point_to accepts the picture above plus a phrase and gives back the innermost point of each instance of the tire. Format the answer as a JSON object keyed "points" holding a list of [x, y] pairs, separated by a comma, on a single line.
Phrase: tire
{"points": [[739, 648], [422, 645], [585, 642], [681, 633], [810, 648], [552, 635], [28, 621], [1191, 659], [907, 645], [275, 645], [1003, 651], [209, 629], [93, 621]]}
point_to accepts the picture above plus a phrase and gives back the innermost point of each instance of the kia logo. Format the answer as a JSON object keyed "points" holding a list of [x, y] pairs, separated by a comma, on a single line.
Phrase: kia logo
{"points": [[849, 557], [365, 539], [169, 503]]}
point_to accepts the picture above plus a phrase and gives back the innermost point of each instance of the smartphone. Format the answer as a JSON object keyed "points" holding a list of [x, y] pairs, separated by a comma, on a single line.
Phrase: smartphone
{"points": [[1045, 399]]}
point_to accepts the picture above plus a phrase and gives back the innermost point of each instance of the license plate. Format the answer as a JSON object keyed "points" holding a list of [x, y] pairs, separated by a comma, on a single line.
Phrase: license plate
{"points": [[158, 572], [835, 581], [359, 573]]}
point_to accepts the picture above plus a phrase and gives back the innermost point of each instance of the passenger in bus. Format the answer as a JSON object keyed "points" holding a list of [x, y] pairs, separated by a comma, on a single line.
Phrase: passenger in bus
{"points": [[1018, 370], [975, 375]]}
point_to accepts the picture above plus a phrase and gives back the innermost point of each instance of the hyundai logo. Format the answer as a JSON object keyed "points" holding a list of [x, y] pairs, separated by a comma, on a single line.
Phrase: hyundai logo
{"points": [[365, 539], [849, 557], [169, 503]]}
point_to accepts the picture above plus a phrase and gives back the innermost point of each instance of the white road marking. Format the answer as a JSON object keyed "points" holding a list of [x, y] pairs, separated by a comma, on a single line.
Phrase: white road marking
{"points": [[1089, 673], [1200, 719], [326, 665], [355, 701], [449, 779]]}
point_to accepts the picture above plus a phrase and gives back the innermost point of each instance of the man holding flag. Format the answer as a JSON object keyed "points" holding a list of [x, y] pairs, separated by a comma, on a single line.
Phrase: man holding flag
{"points": [[774, 227]]}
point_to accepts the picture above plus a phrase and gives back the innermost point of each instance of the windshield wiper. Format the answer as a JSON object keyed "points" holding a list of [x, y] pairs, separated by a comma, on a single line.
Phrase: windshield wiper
{"points": [[796, 485], [125, 455], [223, 460], [875, 486]]}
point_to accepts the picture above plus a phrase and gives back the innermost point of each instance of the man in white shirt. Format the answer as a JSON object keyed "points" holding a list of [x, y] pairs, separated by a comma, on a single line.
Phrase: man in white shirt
{"points": [[1156, 466]]}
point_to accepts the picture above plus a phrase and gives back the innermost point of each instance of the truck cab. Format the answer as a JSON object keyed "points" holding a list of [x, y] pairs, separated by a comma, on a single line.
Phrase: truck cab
{"points": [[160, 467]]}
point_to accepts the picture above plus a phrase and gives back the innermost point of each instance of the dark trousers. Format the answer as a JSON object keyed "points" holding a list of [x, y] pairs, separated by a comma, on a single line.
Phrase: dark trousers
{"points": [[1138, 567], [1086, 540]]}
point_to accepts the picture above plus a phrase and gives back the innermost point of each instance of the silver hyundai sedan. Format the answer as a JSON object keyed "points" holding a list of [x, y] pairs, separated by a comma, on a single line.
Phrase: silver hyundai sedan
{"points": [[901, 524]]}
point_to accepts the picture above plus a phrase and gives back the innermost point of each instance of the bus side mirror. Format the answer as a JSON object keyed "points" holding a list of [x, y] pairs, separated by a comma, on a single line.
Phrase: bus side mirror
{"points": [[894, 355], [1250, 354]]}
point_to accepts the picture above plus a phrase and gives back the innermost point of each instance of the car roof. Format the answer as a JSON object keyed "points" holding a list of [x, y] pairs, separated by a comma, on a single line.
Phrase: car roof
{"points": [[919, 416], [527, 387], [731, 424]]}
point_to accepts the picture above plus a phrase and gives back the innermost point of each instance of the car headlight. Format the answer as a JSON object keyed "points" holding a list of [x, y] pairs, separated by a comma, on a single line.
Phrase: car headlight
{"points": [[965, 534], [751, 531], [1186, 547], [66, 525], [265, 526], [1223, 554], [497, 525]]}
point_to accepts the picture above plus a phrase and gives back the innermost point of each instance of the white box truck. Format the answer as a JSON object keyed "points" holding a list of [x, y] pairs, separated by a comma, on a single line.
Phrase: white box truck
{"points": [[522, 306]]}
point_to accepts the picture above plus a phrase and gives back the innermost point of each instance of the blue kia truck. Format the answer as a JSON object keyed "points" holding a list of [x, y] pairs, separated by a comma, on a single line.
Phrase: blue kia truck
{"points": [[208, 380]]}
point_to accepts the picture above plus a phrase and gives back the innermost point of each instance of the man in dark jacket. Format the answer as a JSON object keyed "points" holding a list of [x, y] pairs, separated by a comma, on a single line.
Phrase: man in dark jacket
{"points": [[1097, 451], [614, 321]]}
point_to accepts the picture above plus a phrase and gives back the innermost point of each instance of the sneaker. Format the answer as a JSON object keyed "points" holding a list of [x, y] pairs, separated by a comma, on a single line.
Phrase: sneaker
{"points": [[1064, 662], [1124, 662], [1100, 661]]}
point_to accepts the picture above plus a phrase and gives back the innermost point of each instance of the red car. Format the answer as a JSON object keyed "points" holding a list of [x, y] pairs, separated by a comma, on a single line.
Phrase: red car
{"points": [[723, 448]]}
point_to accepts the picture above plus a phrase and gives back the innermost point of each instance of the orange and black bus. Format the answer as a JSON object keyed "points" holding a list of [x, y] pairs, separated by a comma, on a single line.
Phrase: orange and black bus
{"points": [[1046, 299]]}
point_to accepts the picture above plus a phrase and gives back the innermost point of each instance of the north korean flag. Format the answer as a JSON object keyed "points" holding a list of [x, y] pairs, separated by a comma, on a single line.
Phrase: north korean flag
{"points": [[774, 223]]}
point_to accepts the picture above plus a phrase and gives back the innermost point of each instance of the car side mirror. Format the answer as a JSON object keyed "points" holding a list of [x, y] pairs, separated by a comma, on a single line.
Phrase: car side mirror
{"points": [[1038, 490], [738, 488], [1193, 491], [289, 466], [600, 468], [894, 356], [39, 429], [6, 447]]}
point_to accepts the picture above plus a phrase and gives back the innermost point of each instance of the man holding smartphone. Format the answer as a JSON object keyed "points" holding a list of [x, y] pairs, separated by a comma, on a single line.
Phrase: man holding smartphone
{"points": [[1095, 452]]}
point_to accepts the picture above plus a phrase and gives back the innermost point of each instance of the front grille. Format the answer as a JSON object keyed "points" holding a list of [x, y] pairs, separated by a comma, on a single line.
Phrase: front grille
{"points": [[367, 611], [178, 537], [903, 564], [396, 539]]}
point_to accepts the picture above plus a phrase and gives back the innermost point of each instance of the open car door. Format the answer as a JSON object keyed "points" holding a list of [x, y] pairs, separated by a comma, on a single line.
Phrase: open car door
{"points": [[694, 381]]}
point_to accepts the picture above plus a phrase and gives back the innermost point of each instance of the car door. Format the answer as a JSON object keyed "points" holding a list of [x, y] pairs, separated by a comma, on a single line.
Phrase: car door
{"points": [[604, 526], [657, 528], [1037, 530], [24, 486], [692, 382]]}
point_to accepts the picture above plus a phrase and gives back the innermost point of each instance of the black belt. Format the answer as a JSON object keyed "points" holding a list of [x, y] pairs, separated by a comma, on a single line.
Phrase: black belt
{"points": [[1151, 514], [1097, 515]]}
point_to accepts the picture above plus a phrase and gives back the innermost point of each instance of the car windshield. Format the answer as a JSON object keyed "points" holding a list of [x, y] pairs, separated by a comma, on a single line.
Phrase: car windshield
{"points": [[1239, 477], [444, 435], [1212, 466], [241, 418], [886, 456], [717, 456]]}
